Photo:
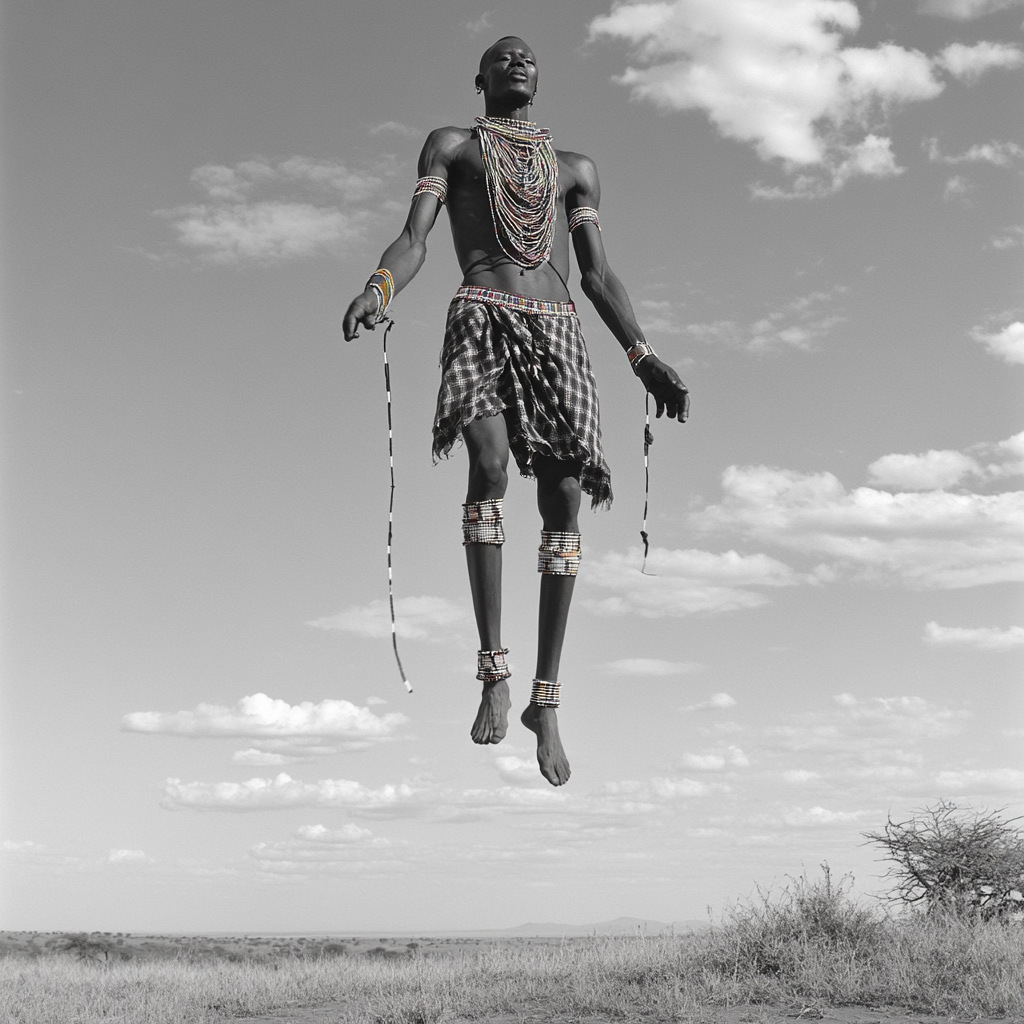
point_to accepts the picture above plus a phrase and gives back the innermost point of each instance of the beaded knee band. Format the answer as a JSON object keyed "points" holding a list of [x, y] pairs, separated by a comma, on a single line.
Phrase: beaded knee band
{"points": [[481, 522], [544, 694], [559, 553], [491, 666]]}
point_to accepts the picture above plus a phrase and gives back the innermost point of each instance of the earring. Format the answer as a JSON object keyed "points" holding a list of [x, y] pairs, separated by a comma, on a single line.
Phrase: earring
{"points": [[479, 89]]}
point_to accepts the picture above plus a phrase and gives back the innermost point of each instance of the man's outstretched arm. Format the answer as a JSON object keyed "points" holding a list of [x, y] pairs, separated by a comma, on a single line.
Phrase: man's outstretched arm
{"points": [[405, 255], [609, 297]]}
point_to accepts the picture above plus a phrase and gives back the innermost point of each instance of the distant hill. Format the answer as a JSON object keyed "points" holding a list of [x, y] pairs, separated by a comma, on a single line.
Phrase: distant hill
{"points": [[619, 926]]}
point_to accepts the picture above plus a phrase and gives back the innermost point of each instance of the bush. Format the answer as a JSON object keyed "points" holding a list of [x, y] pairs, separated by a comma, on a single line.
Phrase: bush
{"points": [[955, 860]]}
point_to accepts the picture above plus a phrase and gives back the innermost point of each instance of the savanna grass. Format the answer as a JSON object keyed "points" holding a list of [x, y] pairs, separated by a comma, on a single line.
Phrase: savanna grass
{"points": [[810, 945]]}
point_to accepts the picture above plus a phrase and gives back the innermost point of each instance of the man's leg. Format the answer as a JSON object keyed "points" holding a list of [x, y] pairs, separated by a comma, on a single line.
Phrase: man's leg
{"points": [[487, 443], [558, 498]]}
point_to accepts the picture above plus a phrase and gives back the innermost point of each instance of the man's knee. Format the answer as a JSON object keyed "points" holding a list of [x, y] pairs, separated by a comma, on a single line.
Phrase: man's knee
{"points": [[561, 494], [488, 473]]}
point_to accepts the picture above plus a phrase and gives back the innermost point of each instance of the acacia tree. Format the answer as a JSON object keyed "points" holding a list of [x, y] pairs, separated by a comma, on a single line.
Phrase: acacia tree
{"points": [[955, 859]]}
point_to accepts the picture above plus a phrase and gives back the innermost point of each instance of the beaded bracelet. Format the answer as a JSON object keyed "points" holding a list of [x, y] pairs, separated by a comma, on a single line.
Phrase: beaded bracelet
{"points": [[432, 186], [385, 290], [638, 353], [583, 215]]}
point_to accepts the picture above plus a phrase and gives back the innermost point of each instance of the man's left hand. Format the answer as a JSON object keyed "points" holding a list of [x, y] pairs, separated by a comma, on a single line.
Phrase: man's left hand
{"points": [[663, 383]]}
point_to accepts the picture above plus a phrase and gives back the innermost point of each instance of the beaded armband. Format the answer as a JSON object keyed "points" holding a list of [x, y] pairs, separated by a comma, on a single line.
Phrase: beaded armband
{"points": [[491, 666], [482, 522], [434, 186], [638, 353], [583, 215], [559, 553], [385, 289], [545, 694]]}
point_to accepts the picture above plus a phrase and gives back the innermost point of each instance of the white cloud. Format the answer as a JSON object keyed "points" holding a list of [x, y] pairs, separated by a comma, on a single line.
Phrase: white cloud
{"points": [[778, 76], [671, 789], [314, 207], [416, 618], [801, 324], [715, 702], [1002, 154], [396, 128], [964, 10], [478, 25], [1006, 343], [650, 667], [934, 470], [681, 582], [716, 762], [935, 539], [819, 816], [956, 188], [1011, 238], [800, 776], [982, 638], [21, 846], [126, 857], [283, 792], [988, 780], [971, 62], [262, 716]]}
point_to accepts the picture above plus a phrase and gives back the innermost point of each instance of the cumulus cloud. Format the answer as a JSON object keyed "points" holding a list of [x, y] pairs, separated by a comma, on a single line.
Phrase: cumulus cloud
{"points": [[800, 324], [417, 618], [395, 128], [982, 638], [935, 539], [260, 715], [778, 76], [1001, 154], [800, 776], [715, 702], [1011, 238], [716, 762], [971, 62], [934, 470], [964, 10], [982, 780], [650, 667], [815, 817], [1006, 343], [261, 211], [283, 792], [673, 789], [126, 857], [682, 582]]}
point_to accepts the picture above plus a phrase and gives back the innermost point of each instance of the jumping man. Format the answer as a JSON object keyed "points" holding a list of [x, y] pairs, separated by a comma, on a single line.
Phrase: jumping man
{"points": [[515, 374]]}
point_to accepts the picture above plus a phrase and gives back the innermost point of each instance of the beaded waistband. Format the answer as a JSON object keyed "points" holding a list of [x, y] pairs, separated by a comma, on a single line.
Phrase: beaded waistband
{"points": [[520, 303]]}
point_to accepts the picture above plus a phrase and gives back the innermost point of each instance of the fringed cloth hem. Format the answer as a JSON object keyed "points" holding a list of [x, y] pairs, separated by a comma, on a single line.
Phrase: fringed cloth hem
{"points": [[525, 358]]}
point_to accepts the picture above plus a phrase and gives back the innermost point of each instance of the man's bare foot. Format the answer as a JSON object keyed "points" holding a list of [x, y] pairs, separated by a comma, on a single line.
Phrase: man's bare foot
{"points": [[492, 719], [554, 765]]}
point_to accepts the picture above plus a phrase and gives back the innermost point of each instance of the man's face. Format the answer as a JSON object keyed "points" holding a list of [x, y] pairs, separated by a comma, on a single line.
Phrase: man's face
{"points": [[510, 71]]}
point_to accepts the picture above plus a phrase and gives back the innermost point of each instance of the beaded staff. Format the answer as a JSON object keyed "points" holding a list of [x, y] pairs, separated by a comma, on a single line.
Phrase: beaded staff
{"points": [[391, 504], [521, 171], [648, 441]]}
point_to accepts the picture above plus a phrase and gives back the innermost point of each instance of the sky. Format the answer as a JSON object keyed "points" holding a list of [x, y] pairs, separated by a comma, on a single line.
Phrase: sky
{"points": [[816, 208]]}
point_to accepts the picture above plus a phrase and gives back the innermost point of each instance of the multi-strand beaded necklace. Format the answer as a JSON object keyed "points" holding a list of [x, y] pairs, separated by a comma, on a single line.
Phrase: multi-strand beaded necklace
{"points": [[522, 186]]}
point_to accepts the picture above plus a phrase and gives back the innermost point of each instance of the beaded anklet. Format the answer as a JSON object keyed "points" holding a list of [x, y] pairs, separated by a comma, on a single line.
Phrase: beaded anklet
{"points": [[559, 553], [491, 666], [545, 695], [482, 522]]}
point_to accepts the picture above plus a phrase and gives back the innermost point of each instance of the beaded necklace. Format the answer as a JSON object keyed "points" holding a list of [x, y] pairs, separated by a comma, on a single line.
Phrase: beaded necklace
{"points": [[522, 186]]}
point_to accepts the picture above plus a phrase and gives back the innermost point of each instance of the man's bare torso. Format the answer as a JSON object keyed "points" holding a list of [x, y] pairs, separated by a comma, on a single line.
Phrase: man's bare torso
{"points": [[483, 262]]}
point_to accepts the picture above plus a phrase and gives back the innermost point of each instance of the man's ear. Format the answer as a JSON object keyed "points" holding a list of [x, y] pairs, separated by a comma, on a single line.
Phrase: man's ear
{"points": [[479, 83]]}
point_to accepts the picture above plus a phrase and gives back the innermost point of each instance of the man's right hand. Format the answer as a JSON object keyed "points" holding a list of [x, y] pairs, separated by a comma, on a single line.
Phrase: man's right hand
{"points": [[363, 310]]}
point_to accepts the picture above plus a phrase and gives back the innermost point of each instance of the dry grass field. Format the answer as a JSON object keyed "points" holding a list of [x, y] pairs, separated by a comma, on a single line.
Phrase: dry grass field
{"points": [[813, 954]]}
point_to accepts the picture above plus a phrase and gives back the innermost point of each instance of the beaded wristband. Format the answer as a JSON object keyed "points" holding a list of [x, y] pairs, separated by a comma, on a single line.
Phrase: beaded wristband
{"points": [[545, 694], [583, 215], [491, 666], [638, 353], [385, 288]]}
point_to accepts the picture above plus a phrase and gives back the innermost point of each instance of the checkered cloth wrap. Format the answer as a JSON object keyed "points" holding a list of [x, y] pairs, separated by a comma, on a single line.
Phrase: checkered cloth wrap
{"points": [[526, 357]]}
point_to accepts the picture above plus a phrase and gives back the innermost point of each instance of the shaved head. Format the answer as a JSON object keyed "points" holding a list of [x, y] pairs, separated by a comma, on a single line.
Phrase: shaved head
{"points": [[485, 60]]}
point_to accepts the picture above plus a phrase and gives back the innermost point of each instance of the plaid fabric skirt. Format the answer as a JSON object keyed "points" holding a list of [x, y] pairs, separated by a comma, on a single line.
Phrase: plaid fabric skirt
{"points": [[526, 358]]}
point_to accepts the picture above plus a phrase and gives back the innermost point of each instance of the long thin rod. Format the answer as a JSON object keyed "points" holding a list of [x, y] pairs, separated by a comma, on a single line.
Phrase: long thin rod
{"points": [[391, 508], [648, 441]]}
